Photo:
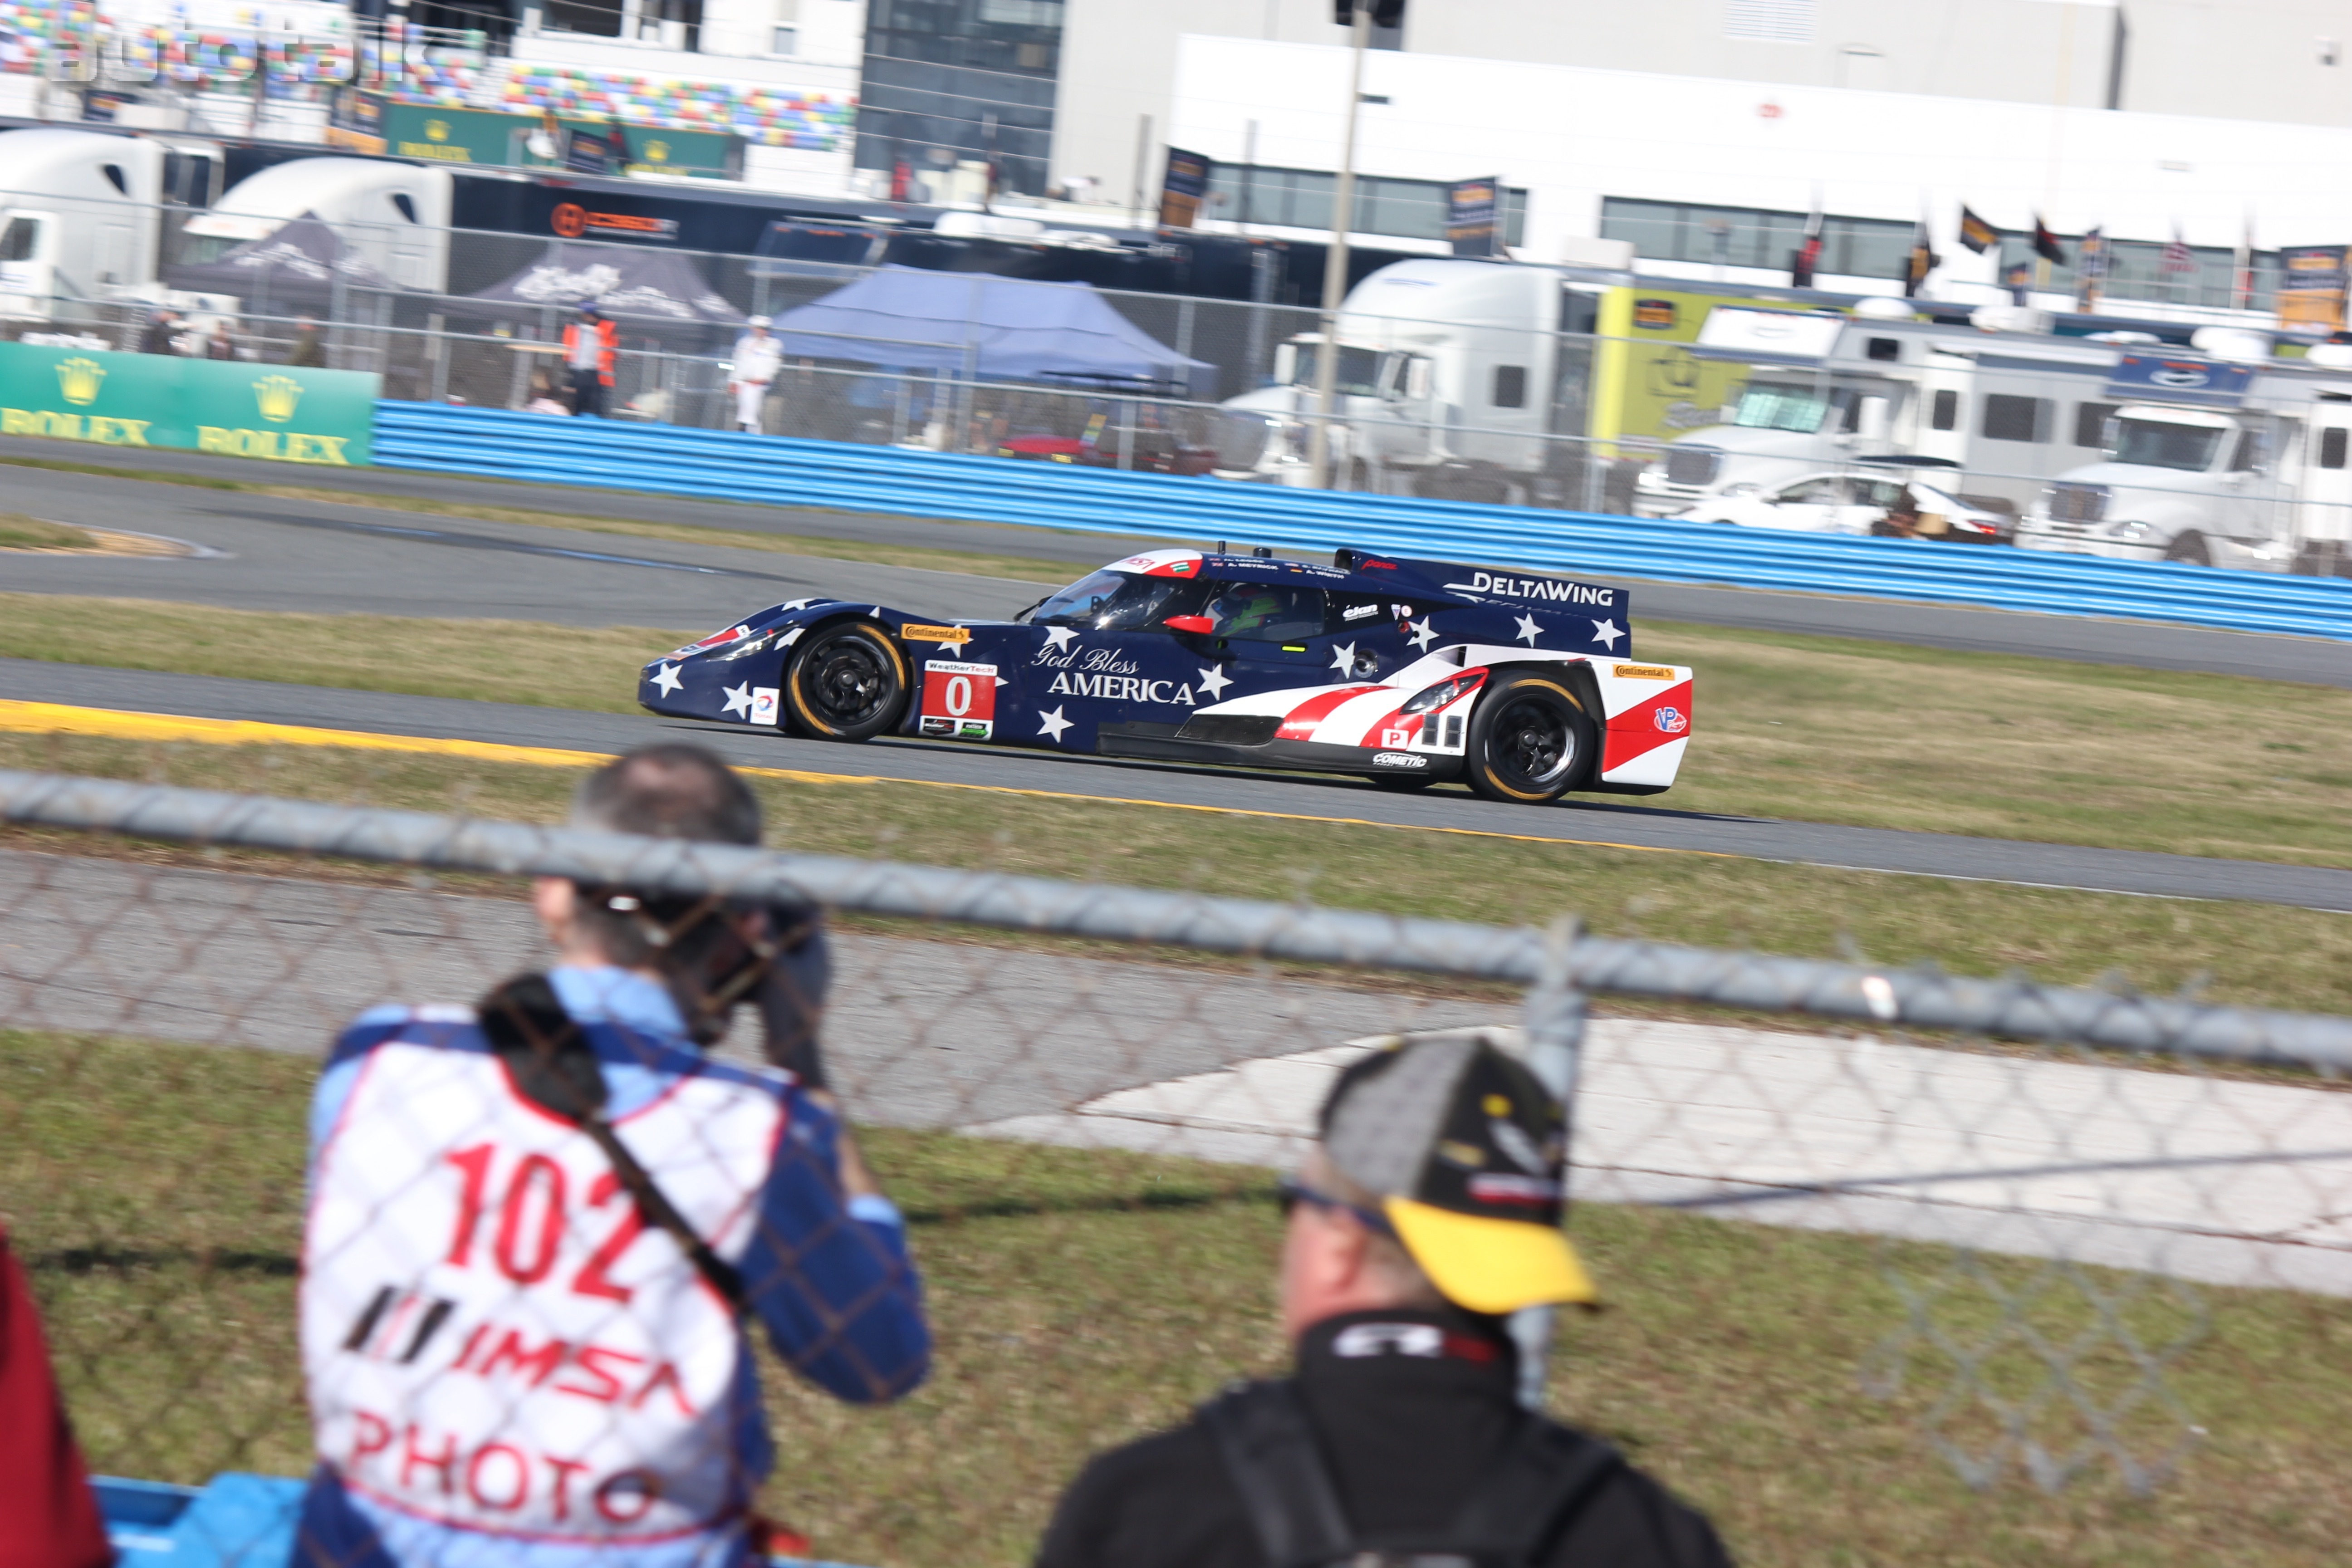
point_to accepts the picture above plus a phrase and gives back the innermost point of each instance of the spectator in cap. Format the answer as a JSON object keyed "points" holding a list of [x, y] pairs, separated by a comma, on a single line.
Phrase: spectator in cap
{"points": [[757, 358], [1429, 1210], [590, 345]]}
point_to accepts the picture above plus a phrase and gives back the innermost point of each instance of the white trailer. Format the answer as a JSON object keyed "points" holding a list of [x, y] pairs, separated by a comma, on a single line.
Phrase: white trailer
{"points": [[1448, 384], [396, 215], [2005, 407], [81, 219], [2214, 463]]}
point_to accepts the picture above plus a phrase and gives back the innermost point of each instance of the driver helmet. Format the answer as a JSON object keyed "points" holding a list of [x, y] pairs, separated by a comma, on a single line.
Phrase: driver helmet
{"points": [[1244, 606]]}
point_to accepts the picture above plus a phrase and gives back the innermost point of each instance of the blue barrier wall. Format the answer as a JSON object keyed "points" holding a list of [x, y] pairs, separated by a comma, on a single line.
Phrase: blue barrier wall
{"points": [[725, 466]]}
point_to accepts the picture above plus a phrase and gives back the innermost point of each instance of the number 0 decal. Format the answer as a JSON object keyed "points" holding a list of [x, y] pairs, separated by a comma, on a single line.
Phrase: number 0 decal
{"points": [[959, 699]]}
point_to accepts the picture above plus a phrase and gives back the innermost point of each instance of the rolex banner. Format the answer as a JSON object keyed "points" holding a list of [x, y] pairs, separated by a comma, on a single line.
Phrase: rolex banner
{"points": [[232, 407]]}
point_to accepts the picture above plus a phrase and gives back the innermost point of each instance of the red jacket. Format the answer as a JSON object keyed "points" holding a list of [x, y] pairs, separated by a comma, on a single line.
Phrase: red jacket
{"points": [[48, 1515], [608, 339]]}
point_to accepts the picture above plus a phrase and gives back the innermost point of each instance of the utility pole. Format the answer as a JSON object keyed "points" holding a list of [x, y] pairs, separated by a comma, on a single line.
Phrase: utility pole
{"points": [[1335, 263]]}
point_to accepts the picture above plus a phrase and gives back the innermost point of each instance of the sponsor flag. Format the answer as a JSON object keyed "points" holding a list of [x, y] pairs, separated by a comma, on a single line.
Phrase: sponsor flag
{"points": [[1975, 233], [2177, 256], [2241, 282], [1922, 260], [1470, 226], [1808, 255], [1182, 188], [2311, 288], [2045, 244]]}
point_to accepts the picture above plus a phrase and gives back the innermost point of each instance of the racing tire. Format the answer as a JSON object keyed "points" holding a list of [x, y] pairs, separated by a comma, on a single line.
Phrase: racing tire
{"points": [[845, 682], [2189, 549], [1530, 740]]}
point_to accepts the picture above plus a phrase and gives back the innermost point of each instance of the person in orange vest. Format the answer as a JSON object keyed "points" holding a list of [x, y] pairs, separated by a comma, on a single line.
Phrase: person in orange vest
{"points": [[589, 345]]}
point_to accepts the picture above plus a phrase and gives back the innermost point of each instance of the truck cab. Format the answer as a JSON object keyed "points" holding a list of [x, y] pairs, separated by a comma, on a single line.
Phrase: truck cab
{"points": [[2210, 487], [78, 221]]}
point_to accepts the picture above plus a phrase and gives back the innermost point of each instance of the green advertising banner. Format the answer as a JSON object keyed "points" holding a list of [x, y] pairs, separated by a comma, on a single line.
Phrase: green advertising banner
{"points": [[487, 137], [234, 407]]}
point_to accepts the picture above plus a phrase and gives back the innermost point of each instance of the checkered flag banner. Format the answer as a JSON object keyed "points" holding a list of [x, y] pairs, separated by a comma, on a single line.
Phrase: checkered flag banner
{"points": [[2013, 1248]]}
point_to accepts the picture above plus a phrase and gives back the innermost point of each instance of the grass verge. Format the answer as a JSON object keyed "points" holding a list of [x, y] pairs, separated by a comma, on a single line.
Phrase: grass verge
{"points": [[970, 562], [18, 532], [2255, 954], [1082, 1298], [1817, 728]]}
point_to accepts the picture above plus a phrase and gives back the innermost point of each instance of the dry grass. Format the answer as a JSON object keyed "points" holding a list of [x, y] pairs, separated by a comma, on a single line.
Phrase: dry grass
{"points": [[18, 532], [1082, 1298]]}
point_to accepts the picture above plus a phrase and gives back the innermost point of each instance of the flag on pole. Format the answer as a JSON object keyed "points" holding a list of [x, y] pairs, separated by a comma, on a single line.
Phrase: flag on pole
{"points": [[2177, 256], [1975, 233], [2090, 269], [1809, 250], [2242, 283], [1921, 261], [2045, 244]]}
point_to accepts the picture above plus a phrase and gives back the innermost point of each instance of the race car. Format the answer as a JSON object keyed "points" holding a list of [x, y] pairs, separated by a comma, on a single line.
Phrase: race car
{"points": [[1404, 672]]}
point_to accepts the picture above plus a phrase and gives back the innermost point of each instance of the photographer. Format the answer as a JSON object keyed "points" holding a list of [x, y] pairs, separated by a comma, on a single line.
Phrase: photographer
{"points": [[542, 1231]]}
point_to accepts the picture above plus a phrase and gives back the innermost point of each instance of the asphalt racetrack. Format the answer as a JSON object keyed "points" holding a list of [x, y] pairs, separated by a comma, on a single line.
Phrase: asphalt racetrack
{"points": [[272, 553]]}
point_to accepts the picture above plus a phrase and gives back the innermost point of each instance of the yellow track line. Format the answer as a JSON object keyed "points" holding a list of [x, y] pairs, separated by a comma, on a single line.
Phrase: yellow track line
{"points": [[59, 719]]}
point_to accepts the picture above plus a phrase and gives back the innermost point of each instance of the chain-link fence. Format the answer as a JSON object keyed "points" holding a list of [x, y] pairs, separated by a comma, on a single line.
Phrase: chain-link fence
{"points": [[1899, 1266]]}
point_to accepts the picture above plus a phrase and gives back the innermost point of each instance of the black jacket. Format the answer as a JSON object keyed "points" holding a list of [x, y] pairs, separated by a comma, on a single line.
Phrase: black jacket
{"points": [[1407, 1437]]}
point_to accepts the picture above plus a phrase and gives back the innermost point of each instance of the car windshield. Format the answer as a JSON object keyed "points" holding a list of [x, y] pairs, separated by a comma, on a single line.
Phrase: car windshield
{"points": [[2153, 444], [1764, 406], [1118, 601], [1360, 370]]}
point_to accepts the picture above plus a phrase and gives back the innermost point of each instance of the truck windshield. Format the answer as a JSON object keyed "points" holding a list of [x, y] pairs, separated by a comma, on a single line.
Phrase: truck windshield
{"points": [[2151, 444], [1764, 406], [1360, 370]]}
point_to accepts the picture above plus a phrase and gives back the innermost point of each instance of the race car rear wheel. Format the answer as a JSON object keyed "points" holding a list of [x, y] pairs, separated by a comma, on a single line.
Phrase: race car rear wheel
{"points": [[847, 682], [1529, 740]]}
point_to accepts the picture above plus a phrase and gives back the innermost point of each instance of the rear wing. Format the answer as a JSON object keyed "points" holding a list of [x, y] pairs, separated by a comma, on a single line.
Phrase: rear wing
{"points": [[1495, 586]]}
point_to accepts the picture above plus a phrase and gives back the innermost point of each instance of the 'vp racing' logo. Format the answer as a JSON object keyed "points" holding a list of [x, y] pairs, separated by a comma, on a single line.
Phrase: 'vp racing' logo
{"points": [[1673, 720]]}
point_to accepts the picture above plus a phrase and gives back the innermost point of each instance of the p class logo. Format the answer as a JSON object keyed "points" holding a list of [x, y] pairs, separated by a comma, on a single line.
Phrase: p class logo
{"points": [[1673, 720]]}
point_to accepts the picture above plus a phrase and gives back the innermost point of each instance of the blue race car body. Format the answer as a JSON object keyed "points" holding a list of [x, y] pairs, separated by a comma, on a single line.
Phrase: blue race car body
{"points": [[1404, 671]]}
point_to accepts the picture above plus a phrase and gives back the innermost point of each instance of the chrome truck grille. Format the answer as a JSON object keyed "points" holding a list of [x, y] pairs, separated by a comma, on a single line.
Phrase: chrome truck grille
{"points": [[2078, 504], [1693, 466]]}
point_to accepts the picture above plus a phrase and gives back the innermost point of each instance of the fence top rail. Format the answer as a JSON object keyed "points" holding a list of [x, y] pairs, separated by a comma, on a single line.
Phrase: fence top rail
{"points": [[1918, 997]]}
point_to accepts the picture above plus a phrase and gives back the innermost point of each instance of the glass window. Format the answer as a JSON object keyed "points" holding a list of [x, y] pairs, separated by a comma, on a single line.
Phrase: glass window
{"points": [[2091, 422], [2154, 443], [1510, 386], [1824, 491], [1947, 415], [1764, 406], [2249, 454], [18, 240], [2012, 418], [1360, 370], [2332, 444], [1265, 612], [1120, 601]]}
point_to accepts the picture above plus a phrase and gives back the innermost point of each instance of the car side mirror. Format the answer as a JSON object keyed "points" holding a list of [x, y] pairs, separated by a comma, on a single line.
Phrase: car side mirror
{"points": [[1202, 624]]}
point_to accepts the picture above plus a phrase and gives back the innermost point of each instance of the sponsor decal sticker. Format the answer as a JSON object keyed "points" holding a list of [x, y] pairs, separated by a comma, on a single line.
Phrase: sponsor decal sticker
{"points": [[763, 704], [959, 699], [1553, 589], [1360, 612], [915, 631], [1643, 672], [1672, 721], [1398, 760]]}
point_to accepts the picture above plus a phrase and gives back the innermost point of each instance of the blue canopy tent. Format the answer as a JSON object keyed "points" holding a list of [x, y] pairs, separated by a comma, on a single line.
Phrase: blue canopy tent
{"points": [[993, 327]]}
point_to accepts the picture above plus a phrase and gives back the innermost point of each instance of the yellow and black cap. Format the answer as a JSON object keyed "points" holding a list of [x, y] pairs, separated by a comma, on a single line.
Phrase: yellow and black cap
{"points": [[1467, 1153]]}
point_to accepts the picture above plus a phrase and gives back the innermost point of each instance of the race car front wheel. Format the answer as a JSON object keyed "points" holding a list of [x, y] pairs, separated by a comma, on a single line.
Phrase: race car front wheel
{"points": [[1529, 740], [847, 682]]}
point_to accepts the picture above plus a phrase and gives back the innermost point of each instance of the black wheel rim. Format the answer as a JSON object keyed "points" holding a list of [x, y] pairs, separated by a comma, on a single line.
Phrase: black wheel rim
{"points": [[1531, 744], [846, 681]]}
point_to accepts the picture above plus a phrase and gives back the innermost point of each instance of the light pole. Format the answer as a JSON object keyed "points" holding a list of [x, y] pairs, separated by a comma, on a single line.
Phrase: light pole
{"points": [[1335, 263]]}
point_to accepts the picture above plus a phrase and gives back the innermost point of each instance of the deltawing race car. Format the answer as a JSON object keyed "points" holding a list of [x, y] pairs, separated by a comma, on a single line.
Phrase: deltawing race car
{"points": [[1404, 672]]}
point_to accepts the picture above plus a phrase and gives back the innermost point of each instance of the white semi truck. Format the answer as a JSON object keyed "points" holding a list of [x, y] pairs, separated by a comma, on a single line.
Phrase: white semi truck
{"points": [[2004, 407], [394, 215], [2214, 463]]}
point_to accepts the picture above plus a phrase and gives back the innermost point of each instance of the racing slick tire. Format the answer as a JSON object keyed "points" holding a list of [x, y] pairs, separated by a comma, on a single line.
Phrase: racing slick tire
{"points": [[847, 682], [1530, 740], [2189, 549]]}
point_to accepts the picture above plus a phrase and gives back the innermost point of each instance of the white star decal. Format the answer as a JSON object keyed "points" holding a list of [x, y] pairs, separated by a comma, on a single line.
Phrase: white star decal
{"points": [[1059, 636], [952, 642], [1213, 682], [666, 680], [739, 699], [1528, 630], [1423, 634], [1053, 723], [1343, 659], [1606, 634]]}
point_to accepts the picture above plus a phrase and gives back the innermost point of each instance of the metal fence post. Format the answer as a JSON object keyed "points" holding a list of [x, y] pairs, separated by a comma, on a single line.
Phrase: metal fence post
{"points": [[1553, 1019]]}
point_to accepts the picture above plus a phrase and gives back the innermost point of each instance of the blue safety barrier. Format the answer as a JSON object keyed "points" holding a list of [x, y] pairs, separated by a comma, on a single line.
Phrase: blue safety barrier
{"points": [[779, 472]]}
